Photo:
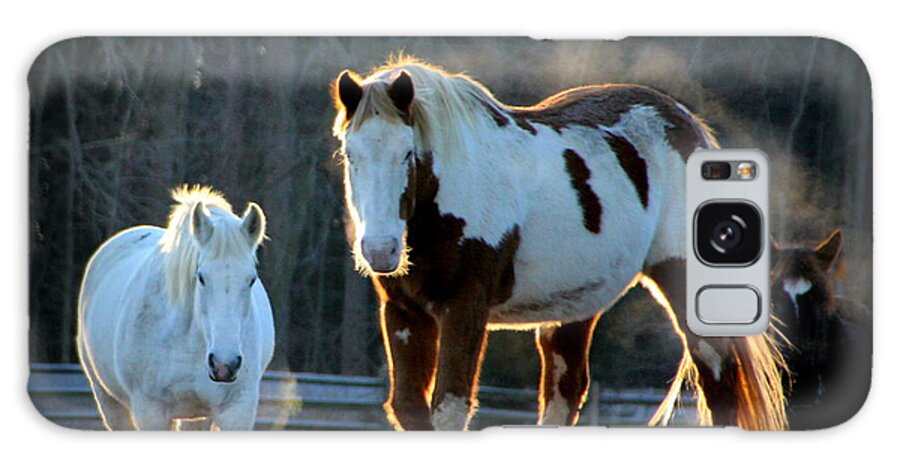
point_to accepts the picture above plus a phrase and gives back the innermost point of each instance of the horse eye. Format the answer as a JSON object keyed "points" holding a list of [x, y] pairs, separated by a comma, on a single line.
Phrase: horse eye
{"points": [[409, 156], [200, 279], [252, 281]]}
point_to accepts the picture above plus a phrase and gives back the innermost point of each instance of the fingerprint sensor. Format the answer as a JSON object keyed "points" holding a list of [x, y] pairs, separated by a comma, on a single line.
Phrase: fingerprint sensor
{"points": [[723, 304]]}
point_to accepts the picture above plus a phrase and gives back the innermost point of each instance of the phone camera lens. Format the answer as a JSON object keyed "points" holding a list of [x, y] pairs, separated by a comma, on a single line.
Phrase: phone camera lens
{"points": [[728, 233]]}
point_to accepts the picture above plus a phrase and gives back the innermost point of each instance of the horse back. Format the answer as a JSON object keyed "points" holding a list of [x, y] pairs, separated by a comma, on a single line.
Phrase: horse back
{"points": [[122, 253], [604, 105]]}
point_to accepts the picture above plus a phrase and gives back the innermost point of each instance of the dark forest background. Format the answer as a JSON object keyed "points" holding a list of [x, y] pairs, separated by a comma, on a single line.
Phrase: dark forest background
{"points": [[116, 123]]}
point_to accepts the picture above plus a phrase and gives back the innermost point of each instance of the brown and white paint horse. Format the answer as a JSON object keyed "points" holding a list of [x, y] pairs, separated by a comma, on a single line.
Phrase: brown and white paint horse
{"points": [[472, 215], [830, 352]]}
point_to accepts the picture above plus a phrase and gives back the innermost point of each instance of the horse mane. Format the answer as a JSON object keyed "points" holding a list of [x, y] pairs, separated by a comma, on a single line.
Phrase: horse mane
{"points": [[446, 105], [181, 253]]}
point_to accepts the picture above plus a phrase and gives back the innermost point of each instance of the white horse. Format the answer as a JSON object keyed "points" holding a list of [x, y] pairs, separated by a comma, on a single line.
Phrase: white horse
{"points": [[174, 323]]}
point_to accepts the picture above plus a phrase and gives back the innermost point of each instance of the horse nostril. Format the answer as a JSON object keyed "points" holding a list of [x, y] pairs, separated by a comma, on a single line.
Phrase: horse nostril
{"points": [[237, 362], [212, 361]]}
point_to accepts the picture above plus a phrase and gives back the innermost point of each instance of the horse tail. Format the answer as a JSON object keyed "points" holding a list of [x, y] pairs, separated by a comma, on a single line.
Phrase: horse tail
{"points": [[686, 379], [760, 398], [738, 380], [755, 381]]}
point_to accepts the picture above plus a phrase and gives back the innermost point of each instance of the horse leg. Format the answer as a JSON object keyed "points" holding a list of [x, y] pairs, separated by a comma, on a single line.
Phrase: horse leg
{"points": [[114, 414], [239, 415], [738, 378], [565, 370], [148, 414], [463, 336], [410, 341]]}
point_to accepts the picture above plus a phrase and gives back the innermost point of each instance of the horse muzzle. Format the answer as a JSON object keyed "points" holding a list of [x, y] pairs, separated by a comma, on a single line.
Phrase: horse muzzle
{"points": [[223, 372], [381, 253]]}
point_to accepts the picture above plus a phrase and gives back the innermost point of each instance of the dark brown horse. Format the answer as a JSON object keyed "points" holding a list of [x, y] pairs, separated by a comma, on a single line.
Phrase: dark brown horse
{"points": [[830, 345]]}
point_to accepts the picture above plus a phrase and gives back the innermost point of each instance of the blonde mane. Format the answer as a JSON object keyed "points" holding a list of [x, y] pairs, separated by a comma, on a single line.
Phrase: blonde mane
{"points": [[445, 106], [181, 253]]}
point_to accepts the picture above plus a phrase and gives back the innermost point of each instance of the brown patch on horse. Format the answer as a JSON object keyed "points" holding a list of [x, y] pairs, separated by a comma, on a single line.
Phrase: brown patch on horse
{"points": [[604, 105], [440, 255], [524, 123], [579, 174], [498, 116], [407, 198], [452, 281], [571, 342], [632, 164], [408, 406]]}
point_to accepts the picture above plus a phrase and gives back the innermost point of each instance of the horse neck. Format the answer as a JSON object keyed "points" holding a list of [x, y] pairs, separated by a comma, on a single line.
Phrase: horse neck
{"points": [[482, 180], [474, 142], [177, 317]]}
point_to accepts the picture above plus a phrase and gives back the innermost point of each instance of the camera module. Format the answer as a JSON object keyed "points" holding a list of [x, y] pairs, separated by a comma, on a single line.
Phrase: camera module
{"points": [[728, 233]]}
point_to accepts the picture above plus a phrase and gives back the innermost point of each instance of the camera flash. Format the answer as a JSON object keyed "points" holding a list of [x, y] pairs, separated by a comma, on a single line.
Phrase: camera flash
{"points": [[746, 170]]}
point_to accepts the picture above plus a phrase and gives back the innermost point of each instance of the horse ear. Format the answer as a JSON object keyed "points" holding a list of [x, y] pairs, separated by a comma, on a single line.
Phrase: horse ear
{"points": [[827, 250], [201, 225], [774, 248], [349, 92], [254, 223], [402, 92]]}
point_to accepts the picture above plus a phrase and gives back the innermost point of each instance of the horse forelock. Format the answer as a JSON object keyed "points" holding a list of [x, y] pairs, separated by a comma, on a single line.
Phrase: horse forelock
{"points": [[181, 253]]}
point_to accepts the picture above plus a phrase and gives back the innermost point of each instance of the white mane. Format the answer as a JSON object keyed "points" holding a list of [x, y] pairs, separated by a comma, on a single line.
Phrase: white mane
{"points": [[447, 111], [181, 252]]}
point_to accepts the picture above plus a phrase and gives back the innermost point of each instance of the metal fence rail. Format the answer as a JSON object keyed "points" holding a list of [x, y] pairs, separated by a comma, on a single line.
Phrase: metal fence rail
{"points": [[305, 401]]}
